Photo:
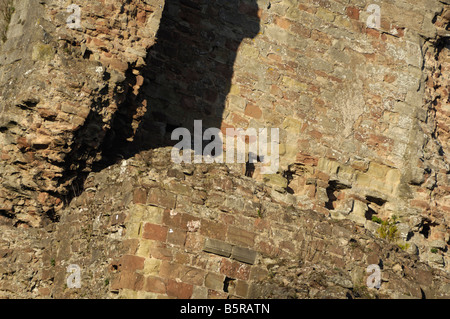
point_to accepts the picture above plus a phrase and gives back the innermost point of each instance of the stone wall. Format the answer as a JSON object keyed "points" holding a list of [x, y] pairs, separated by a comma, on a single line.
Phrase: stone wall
{"points": [[362, 114], [60, 89], [148, 228]]}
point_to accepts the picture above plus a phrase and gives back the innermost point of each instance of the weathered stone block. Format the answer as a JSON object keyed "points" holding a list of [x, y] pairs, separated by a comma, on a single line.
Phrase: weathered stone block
{"points": [[213, 230], [214, 281], [159, 197], [240, 236], [234, 269], [244, 255], [179, 290], [176, 236], [155, 232], [155, 284], [132, 263], [217, 247]]}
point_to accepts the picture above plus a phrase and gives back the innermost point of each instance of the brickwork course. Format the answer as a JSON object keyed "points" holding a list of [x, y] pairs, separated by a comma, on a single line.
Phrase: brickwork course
{"points": [[86, 176]]}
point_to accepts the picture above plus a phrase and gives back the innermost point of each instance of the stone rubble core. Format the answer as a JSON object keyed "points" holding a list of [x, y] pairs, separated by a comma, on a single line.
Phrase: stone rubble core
{"points": [[363, 118]]}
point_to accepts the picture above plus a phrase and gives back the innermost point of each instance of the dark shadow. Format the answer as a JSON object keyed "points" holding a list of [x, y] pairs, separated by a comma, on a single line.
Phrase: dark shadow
{"points": [[188, 74]]}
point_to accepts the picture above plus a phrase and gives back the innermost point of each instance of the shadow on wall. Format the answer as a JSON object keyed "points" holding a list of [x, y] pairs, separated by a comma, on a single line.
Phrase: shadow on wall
{"points": [[188, 73]]}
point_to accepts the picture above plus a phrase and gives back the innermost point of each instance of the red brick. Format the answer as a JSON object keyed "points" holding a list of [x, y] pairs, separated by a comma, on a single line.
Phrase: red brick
{"points": [[239, 120], [161, 251], [282, 22], [182, 257], [140, 196], [275, 57], [301, 30], [253, 111], [353, 13], [178, 220], [45, 292], [131, 263], [176, 236], [193, 276], [240, 236], [268, 249], [213, 230], [320, 37], [275, 90], [373, 33], [315, 134], [194, 242], [172, 218], [390, 78], [179, 290], [128, 280], [307, 159], [261, 224], [155, 284], [223, 128], [155, 232], [234, 269], [186, 274], [171, 270], [162, 198]]}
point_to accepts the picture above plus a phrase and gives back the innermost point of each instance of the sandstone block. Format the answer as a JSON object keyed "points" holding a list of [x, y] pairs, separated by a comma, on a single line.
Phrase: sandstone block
{"points": [[213, 230], [140, 196], [132, 263], [155, 284], [214, 281], [217, 247], [155, 232], [179, 290], [162, 198], [234, 269], [240, 236], [253, 111], [244, 255]]}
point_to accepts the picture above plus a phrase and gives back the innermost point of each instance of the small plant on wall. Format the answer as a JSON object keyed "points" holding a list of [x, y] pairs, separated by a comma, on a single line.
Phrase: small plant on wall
{"points": [[388, 229]]}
